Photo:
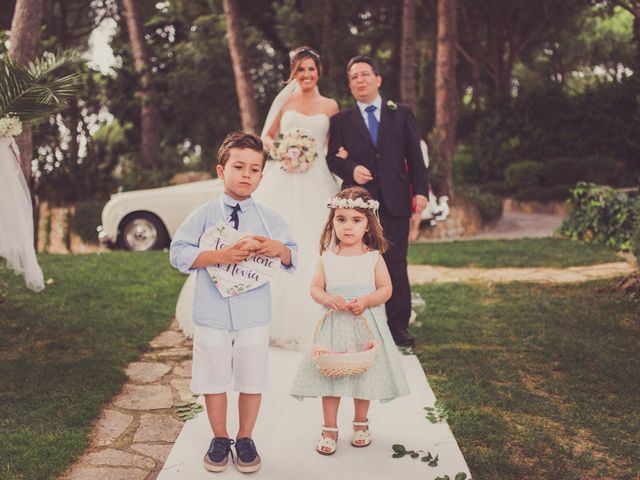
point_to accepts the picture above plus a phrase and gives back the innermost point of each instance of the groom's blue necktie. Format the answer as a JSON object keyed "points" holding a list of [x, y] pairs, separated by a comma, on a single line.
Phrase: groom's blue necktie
{"points": [[373, 123], [235, 220]]}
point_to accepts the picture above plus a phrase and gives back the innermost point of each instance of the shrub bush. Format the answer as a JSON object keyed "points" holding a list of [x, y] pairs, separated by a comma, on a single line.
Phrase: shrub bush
{"points": [[635, 239], [525, 174], [548, 124], [489, 205], [87, 217], [544, 193], [600, 214], [464, 165], [599, 169]]}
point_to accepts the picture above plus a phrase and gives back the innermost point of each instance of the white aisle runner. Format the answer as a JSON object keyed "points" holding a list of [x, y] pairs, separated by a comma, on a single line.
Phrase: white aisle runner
{"points": [[287, 431]]}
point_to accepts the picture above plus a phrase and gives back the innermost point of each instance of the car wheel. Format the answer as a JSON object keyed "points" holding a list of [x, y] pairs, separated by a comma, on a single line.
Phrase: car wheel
{"points": [[140, 232]]}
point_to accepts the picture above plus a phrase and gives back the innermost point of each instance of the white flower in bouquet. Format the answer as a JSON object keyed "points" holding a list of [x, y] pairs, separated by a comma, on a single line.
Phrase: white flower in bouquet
{"points": [[10, 127], [296, 150]]}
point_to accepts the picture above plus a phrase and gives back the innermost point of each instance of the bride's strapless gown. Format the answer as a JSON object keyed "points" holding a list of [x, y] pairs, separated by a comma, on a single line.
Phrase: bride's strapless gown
{"points": [[301, 199]]}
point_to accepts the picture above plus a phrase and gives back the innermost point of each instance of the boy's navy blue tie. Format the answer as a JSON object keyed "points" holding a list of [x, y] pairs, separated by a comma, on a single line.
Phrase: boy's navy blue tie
{"points": [[373, 123], [235, 220]]}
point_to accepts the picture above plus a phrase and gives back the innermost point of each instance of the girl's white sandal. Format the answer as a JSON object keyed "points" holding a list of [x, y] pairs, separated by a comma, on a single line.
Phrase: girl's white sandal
{"points": [[327, 445], [361, 438]]}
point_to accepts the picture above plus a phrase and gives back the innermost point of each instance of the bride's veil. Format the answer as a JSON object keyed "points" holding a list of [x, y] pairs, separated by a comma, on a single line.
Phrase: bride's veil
{"points": [[277, 104]]}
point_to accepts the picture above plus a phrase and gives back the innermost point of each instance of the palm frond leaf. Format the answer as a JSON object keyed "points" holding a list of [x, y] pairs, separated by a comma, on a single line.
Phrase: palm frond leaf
{"points": [[45, 66], [32, 92], [14, 80]]}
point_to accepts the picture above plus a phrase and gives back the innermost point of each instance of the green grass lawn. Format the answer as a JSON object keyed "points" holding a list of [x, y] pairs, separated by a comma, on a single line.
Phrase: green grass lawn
{"points": [[63, 351], [528, 252], [542, 382]]}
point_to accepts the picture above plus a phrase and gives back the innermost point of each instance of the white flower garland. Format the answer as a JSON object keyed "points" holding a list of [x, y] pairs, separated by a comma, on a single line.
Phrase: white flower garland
{"points": [[10, 127], [359, 202]]}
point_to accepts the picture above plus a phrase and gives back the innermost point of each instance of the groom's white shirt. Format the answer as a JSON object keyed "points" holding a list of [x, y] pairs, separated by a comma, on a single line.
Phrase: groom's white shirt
{"points": [[377, 102]]}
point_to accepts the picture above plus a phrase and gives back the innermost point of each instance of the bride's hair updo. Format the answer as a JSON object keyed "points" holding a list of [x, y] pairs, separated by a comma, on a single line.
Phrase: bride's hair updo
{"points": [[300, 54]]}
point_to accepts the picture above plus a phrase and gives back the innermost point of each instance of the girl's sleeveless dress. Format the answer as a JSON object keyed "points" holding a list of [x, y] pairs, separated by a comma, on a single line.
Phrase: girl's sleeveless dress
{"points": [[353, 277]]}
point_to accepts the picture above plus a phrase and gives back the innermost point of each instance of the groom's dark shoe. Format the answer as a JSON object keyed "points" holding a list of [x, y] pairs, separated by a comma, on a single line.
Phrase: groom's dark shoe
{"points": [[217, 457], [248, 460], [403, 338]]}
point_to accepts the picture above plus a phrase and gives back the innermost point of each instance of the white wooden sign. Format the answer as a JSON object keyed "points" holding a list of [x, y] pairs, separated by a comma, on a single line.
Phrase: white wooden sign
{"points": [[241, 277]]}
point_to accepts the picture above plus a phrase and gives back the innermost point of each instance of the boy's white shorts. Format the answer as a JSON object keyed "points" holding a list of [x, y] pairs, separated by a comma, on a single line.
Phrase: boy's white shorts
{"points": [[225, 360]]}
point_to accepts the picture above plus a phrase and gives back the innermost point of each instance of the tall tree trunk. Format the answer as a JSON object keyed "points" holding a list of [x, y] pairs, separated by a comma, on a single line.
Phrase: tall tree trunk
{"points": [[244, 85], [149, 115], [446, 91], [25, 30], [636, 36], [408, 62], [327, 43]]}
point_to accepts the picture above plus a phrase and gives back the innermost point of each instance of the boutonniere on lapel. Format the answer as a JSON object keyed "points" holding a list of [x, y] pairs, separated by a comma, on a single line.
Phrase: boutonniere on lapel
{"points": [[391, 105]]}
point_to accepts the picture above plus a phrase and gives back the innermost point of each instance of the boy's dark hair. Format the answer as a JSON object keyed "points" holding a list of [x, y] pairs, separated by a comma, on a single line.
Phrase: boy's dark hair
{"points": [[363, 59], [240, 140]]}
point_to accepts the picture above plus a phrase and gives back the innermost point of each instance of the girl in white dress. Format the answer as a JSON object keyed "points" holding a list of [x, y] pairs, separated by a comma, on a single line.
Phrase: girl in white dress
{"points": [[352, 280], [298, 197]]}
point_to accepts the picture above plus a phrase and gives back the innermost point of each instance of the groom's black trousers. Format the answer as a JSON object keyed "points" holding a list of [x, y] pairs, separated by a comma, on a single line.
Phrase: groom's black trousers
{"points": [[396, 231]]}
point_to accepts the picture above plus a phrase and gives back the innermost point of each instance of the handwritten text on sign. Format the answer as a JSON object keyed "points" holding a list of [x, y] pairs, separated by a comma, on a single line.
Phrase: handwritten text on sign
{"points": [[241, 277]]}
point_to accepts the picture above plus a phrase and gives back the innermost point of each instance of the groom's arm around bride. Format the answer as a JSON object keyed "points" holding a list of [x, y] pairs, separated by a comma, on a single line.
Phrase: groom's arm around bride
{"points": [[385, 158]]}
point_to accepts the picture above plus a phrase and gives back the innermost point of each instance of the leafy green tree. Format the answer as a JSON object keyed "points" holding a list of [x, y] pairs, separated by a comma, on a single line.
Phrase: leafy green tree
{"points": [[494, 34], [595, 46]]}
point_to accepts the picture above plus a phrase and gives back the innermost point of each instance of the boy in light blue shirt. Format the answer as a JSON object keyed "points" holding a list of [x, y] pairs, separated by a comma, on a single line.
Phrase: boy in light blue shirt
{"points": [[231, 334]]}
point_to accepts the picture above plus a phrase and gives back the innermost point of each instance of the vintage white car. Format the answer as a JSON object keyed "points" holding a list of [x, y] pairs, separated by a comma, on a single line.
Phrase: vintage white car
{"points": [[146, 219]]}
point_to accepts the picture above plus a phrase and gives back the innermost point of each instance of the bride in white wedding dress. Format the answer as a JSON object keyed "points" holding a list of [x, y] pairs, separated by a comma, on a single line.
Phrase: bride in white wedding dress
{"points": [[16, 217], [301, 198]]}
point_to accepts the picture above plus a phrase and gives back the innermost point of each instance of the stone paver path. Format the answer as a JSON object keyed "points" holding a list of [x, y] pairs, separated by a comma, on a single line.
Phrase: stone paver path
{"points": [[429, 274], [135, 433]]}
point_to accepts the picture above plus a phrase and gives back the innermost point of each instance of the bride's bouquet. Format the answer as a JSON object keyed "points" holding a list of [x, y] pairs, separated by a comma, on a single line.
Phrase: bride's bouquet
{"points": [[295, 150]]}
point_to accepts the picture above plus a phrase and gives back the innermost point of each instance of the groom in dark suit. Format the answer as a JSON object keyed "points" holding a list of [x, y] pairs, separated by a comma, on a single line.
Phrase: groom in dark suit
{"points": [[384, 157]]}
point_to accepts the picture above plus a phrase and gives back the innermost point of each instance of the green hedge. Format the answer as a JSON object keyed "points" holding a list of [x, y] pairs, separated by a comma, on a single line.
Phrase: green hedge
{"points": [[489, 205], [87, 217], [635, 239], [544, 194], [576, 137], [600, 214], [525, 174]]}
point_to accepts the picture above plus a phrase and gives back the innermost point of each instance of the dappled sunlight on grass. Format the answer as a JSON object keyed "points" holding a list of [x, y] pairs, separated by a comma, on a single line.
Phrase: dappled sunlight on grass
{"points": [[520, 253], [537, 378], [63, 351]]}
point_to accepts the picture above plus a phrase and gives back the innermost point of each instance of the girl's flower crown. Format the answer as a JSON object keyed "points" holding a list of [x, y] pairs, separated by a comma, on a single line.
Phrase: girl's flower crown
{"points": [[359, 202]]}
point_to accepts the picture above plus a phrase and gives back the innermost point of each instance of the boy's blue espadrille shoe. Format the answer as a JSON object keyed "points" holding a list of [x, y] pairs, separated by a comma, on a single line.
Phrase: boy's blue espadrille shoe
{"points": [[217, 457], [248, 460]]}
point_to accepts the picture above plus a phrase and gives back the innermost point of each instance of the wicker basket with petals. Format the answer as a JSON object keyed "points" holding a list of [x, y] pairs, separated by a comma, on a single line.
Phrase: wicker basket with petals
{"points": [[338, 364]]}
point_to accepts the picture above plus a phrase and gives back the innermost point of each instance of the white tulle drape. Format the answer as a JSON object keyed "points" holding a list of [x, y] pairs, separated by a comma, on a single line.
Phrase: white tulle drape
{"points": [[278, 102], [16, 218]]}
